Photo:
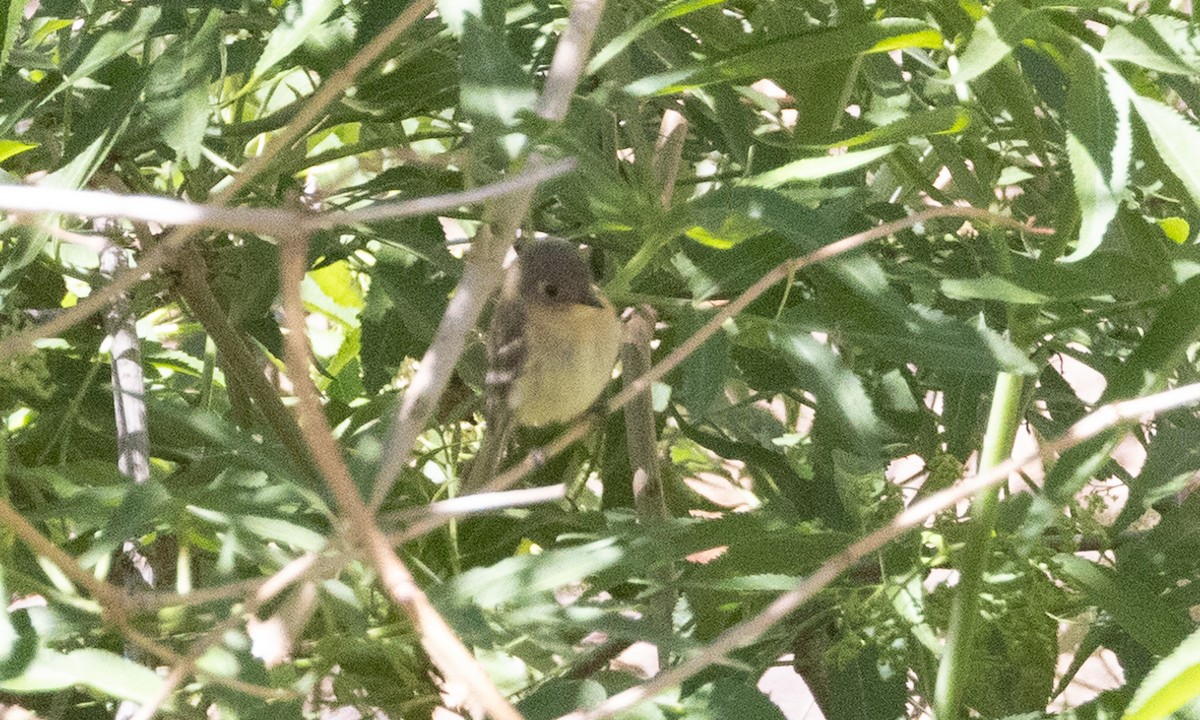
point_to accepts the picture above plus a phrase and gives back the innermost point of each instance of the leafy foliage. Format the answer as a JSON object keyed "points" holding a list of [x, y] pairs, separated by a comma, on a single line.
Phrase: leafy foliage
{"points": [[780, 439]]}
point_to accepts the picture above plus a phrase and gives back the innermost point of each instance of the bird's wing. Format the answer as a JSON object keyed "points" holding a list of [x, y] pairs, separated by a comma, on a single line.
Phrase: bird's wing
{"points": [[507, 351]]}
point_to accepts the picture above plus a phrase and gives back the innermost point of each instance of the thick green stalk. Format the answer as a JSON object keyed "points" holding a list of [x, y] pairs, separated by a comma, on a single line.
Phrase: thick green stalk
{"points": [[1003, 420]]}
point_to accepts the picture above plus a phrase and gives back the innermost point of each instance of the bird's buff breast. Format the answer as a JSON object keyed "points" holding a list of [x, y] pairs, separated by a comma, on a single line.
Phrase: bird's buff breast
{"points": [[571, 353]]}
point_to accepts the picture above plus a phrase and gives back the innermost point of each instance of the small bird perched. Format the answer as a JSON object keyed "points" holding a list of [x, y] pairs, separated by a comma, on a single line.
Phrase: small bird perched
{"points": [[552, 345]]}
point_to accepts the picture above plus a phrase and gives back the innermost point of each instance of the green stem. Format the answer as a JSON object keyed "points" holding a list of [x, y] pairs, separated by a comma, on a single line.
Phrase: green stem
{"points": [[1003, 420], [641, 259]]}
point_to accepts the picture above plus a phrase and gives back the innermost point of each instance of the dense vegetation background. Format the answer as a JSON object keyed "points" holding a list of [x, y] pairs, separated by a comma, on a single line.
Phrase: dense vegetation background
{"points": [[267, 528]]}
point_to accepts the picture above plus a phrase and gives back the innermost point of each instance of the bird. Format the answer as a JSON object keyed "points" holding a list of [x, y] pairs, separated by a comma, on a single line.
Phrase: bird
{"points": [[552, 345]]}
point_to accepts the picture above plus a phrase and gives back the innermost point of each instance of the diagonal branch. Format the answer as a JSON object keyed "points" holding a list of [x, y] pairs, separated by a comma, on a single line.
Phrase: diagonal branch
{"points": [[445, 650], [1103, 420]]}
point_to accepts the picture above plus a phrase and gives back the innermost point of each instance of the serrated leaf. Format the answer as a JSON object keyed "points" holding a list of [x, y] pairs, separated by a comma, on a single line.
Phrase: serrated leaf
{"points": [[177, 98], [493, 86], [1157, 42], [1177, 141], [10, 16], [1153, 623], [1099, 146], [112, 40], [704, 371], [303, 17], [993, 39], [841, 397]]}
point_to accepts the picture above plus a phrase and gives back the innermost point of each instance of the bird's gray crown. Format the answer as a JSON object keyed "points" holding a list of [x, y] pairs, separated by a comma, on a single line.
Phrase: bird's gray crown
{"points": [[552, 271]]}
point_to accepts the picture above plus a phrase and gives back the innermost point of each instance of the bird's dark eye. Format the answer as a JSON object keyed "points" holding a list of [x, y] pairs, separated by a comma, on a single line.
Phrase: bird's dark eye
{"points": [[550, 290]]}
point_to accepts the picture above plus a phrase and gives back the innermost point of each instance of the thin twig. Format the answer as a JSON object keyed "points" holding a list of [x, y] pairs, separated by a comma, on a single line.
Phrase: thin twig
{"points": [[156, 259], [649, 500], [236, 353], [146, 601], [473, 504], [181, 670], [258, 220], [572, 434], [668, 153], [1102, 420], [445, 650]]}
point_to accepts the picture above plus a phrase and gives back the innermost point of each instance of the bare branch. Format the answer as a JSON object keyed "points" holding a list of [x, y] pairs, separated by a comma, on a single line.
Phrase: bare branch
{"points": [[242, 361], [261, 221], [570, 55], [473, 504]]}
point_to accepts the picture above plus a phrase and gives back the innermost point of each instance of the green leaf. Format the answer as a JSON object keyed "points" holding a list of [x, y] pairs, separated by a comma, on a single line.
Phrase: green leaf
{"points": [[1147, 370], [279, 530], [796, 53], [704, 371], [1156, 42], [405, 299], [10, 17], [993, 39], [1099, 146], [670, 11], [559, 696], [818, 168], [139, 509], [940, 121], [1158, 626], [98, 670], [990, 287], [9, 148], [177, 96], [18, 639], [302, 18], [493, 88], [1176, 229], [841, 397], [1177, 141], [107, 43], [523, 577], [734, 698], [1173, 683]]}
